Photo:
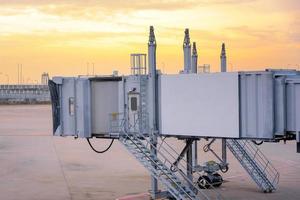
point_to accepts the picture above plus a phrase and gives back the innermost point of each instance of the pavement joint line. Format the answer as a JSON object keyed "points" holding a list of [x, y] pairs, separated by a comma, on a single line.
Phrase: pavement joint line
{"points": [[231, 177], [16, 135], [62, 169]]}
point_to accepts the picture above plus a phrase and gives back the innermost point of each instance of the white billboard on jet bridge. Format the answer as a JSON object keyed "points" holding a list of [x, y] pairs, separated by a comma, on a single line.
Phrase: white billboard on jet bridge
{"points": [[199, 105]]}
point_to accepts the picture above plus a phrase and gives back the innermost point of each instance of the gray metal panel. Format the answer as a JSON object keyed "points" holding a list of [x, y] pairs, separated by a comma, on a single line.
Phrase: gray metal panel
{"points": [[279, 76], [104, 101], [201, 105], [67, 94], [280, 108], [293, 103], [83, 108], [256, 105]]}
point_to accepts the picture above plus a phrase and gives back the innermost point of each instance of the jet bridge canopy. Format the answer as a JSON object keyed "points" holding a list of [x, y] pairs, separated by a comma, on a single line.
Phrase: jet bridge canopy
{"points": [[248, 105]]}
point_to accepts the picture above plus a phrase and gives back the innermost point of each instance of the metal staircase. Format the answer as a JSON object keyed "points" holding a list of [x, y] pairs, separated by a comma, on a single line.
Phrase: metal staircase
{"points": [[255, 163], [157, 168], [161, 167]]}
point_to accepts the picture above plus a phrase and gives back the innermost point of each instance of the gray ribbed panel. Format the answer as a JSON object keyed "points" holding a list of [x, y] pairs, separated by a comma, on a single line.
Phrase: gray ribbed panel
{"points": [[293, 103], [256, 105]]}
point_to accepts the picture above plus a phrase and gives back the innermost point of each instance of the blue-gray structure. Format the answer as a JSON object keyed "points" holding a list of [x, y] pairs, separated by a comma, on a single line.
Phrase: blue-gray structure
{"points": [[24, 94], [265, 108]]}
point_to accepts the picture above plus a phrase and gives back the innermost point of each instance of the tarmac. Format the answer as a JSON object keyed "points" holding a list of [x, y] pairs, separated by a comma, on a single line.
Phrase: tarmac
{"points": [[34, 165]]}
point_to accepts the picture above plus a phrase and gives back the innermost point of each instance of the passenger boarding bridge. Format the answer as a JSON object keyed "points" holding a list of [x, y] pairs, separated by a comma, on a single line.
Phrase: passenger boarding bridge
{"points": [[143, 110]]}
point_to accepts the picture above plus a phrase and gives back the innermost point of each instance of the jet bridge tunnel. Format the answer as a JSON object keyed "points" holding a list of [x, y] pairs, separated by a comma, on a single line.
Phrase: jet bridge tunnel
{"points": [[144, 108], [261, 105]]}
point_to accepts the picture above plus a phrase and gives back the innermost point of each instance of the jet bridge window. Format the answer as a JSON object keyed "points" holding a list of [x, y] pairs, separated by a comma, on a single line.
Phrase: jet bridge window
{"points": [[133, 103], [71, 106]]}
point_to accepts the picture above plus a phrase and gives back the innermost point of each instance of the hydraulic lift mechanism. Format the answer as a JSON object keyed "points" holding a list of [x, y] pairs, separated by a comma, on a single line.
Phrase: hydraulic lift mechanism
{"points": [[147, 109]]}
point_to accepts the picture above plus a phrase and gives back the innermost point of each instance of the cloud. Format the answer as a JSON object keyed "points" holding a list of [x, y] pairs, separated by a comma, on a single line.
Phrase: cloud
{"points": [[294, 31], [89, 7]]}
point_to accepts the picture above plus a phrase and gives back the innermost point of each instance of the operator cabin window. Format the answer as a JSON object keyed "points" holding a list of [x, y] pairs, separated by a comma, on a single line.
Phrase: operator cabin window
{"points": [[71, 106], [133, 103]]}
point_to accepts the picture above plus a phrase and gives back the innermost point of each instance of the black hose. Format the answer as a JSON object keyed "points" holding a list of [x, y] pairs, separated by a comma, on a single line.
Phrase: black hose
{"points": [[223, 169], [257, 143], [105, 150]]}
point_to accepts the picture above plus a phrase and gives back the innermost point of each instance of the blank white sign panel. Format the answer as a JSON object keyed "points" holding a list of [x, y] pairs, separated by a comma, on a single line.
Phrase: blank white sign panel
{"points": [[199, 105]]}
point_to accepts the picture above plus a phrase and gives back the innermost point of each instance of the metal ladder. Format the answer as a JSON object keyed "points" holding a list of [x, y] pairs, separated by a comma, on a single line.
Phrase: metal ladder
{"points": [[157, 167], [255, 163]]}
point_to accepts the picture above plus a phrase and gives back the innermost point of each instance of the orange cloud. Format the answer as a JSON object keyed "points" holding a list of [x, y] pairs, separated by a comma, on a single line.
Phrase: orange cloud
{"points": [[61, 37]]}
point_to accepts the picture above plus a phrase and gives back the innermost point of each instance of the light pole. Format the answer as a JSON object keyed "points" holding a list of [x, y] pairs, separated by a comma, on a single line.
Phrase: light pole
{"points": [[7, 78], [28, 81], [93, 69], [231, 66], [87, 68]]}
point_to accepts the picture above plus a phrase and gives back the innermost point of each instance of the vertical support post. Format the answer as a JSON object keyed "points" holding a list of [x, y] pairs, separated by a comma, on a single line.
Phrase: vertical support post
{"points": [[190, 66], [189, 160], [224, 151], [152, 103], [195, 153], [298, 142], [223, 69]]}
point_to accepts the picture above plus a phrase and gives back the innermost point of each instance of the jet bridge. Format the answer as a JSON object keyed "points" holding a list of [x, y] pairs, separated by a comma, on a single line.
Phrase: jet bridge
{"points": [[240, 105], [146, 107]]}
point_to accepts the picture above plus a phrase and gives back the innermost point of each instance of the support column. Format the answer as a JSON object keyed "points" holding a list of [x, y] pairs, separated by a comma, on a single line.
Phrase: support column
{"points": [[224, 151], [223, 66], [195, 153], [152, 104], [298, 142], [189, 160], [154, 185]]}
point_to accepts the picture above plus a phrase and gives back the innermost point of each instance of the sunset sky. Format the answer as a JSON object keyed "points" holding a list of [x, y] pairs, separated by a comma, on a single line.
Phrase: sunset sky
{"points": [[61, 36]]}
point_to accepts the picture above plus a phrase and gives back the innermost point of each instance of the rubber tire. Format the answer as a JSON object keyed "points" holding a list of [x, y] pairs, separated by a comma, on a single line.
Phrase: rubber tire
{"points": [[204, 182], [219, 183]]}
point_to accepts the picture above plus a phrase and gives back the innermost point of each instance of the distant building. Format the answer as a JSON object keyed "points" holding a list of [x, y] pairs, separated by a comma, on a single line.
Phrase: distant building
{"points": [[205, 68], [45, 78], [28, 94]]}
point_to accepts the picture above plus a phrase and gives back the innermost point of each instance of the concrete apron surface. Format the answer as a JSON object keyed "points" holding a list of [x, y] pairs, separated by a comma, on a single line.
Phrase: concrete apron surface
{"points": [[34, 165]]}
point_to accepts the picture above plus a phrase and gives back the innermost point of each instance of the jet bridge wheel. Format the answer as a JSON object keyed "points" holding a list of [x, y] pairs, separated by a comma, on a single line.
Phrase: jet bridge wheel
{"points": [[218, 180], [206, 181]]}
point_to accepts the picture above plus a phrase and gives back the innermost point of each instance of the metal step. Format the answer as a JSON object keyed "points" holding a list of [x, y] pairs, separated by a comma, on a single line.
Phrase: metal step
{"points": [[255, 163], [157, 168]]}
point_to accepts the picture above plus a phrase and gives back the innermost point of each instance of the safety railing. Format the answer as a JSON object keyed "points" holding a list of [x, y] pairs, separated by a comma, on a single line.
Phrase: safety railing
{"points": [[262, 161], [161, 149], [116, 122]]}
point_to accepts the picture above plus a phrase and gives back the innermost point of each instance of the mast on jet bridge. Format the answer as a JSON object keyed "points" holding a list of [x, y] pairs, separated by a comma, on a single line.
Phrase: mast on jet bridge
{"points": [[223, 59], [187, 51], [153, 103], [194, 59]]}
